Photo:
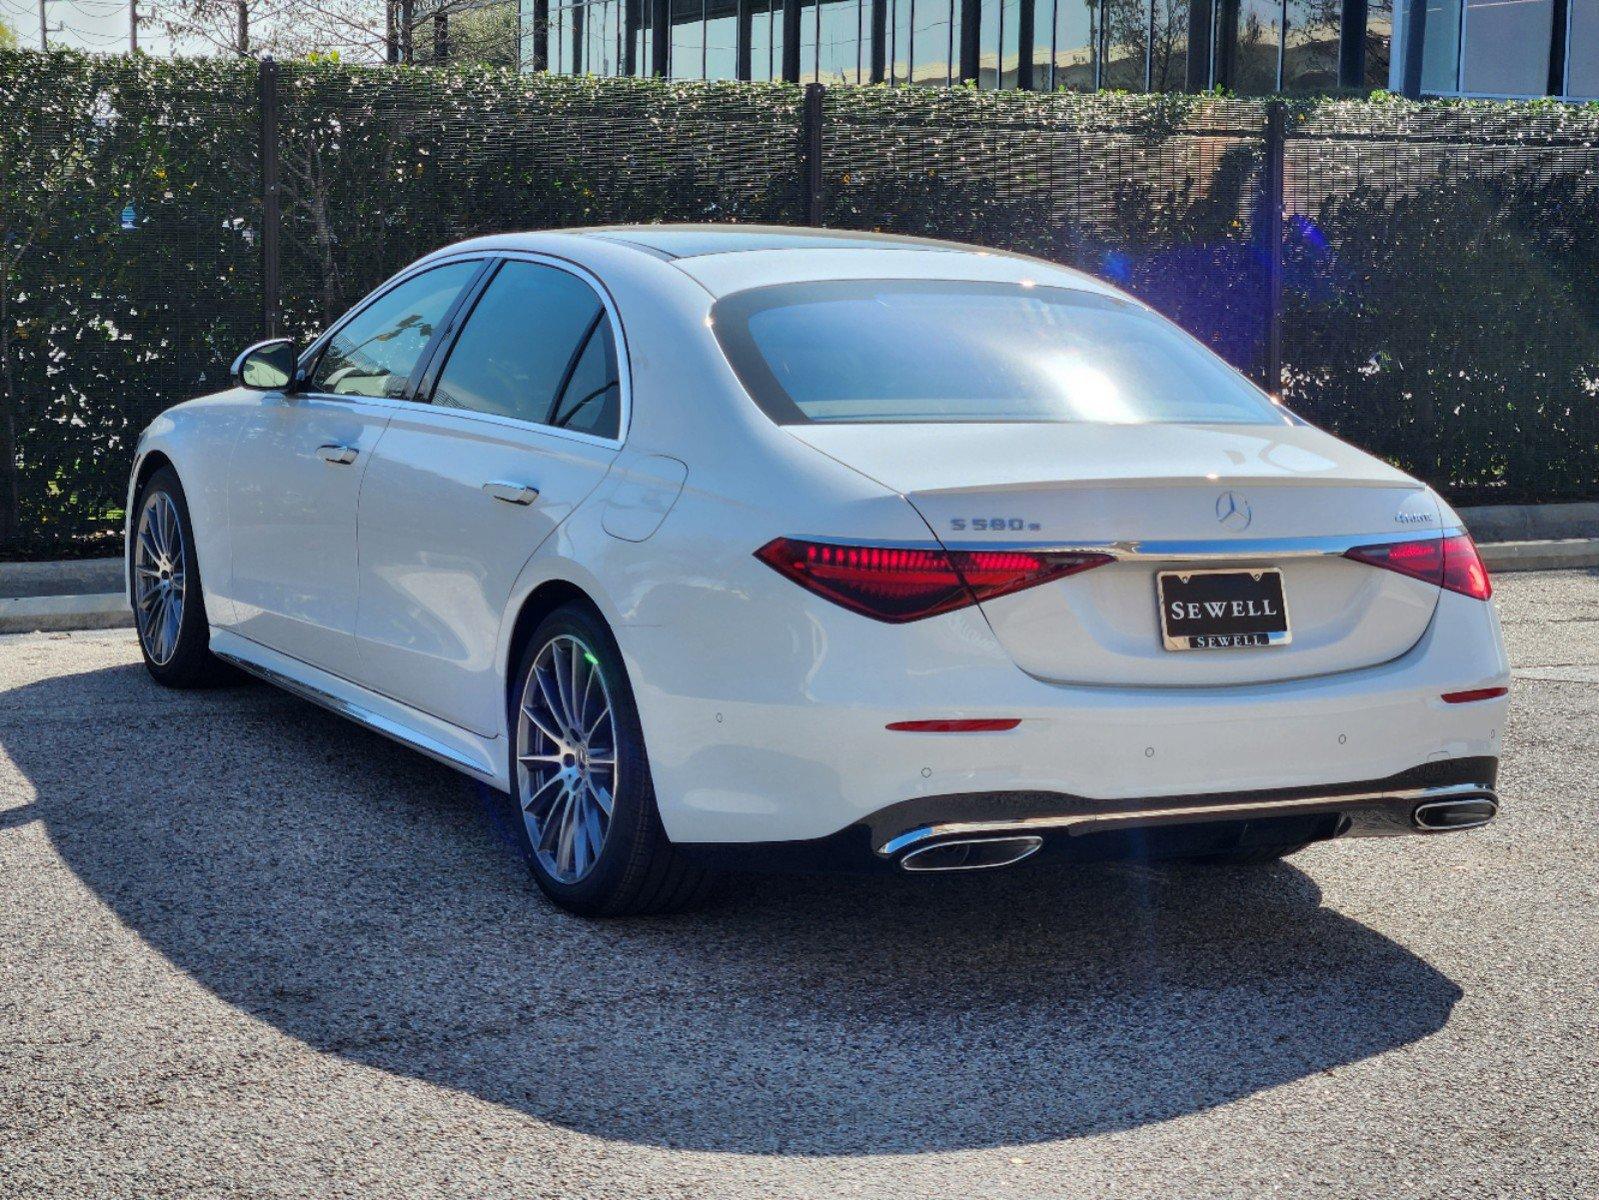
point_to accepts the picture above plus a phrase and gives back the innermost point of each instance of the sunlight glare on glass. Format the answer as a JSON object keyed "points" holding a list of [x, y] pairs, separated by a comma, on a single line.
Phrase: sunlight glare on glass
{"points": [[1089, 393]]}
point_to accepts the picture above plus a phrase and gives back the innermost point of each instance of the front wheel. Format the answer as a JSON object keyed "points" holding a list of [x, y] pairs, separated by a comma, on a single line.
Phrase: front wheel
{"points": [[168, 600], [590, 828]]}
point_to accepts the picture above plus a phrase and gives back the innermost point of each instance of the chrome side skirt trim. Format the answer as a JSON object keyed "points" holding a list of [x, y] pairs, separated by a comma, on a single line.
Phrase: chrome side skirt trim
{"points": [[1154, 814], [376, 722]]}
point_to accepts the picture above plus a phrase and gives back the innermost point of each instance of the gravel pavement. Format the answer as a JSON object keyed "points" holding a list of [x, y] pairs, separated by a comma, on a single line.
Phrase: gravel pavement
{"points": [[247, 949]]}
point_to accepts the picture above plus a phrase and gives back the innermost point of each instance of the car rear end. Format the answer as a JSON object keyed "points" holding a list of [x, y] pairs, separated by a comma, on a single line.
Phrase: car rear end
{"points": [[1141, 608]]}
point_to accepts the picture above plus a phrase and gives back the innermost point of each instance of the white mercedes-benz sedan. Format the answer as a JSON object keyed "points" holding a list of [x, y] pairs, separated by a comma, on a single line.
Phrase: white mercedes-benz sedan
{"points": [[721, 545]]}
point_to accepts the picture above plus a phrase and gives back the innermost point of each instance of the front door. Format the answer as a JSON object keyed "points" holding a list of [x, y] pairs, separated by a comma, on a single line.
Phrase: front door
{"points": [[524, 423], [298, 467]]}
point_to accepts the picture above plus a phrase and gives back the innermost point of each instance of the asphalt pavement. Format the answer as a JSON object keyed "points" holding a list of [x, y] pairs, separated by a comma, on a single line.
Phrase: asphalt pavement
{"points": [[248, 950]]}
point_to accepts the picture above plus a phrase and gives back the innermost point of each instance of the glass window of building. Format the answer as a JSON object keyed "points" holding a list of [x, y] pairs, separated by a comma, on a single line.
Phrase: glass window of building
{"points": [[1310, 46], [766, 40], [1440, 49], [1063, 51], [687, 54], [1168, 58], [1379, 42], [1126, 40], [936, 42], [839, 41], [1506, 47], [1582, 50], [1246, 40], [721, 39], [901, 41], [1010, 44]]}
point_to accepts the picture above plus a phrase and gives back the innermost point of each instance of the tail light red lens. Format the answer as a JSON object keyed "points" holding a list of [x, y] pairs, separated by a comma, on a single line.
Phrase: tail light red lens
{"points": [[898, 584], [1451, 562]]}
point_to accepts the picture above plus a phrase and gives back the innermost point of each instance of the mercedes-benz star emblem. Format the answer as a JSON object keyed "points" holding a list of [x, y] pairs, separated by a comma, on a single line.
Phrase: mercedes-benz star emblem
{"points": [[1233, 511]]}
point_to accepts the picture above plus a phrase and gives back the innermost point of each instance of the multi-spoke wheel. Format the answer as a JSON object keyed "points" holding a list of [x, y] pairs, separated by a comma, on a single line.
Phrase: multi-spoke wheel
{"points": [[566, 757], [168, 602], [158, 576], [590, 828]]}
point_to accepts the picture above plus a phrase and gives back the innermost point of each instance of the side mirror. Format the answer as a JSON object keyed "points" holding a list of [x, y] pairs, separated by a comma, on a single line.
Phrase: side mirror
{"points": [[267, 366]]}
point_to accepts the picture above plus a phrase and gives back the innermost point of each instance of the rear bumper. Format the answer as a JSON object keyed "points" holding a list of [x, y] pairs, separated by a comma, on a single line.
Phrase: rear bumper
{"points": [[1434, 798], [782, 734]]}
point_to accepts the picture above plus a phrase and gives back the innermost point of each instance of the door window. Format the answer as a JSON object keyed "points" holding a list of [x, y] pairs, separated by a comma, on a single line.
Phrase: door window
{"points": [[374, 352], [538, 347]]}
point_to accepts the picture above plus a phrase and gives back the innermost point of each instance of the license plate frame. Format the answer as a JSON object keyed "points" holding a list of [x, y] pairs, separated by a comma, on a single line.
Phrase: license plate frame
{"points": [[1225, 630]]}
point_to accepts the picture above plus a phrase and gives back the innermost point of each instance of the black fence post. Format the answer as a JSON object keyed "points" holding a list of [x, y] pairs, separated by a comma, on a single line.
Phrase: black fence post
{"points": [[271, 212], [811, 151], [1271, 220]]}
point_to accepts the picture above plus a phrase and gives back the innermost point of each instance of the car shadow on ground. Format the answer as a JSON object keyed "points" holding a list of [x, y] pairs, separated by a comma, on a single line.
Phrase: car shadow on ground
{"points": [[366, 901]]}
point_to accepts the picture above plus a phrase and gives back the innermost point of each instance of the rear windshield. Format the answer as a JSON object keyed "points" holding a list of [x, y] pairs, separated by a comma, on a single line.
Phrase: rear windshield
{"points": [[940, 351]]}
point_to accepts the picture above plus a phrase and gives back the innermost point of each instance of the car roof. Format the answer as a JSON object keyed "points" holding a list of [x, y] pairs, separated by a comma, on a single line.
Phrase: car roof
{"points": [[696, 241], [728, 258]]}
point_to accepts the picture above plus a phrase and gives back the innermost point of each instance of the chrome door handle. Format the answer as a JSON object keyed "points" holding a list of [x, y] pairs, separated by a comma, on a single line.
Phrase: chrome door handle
{"points": [[339, 455], [511, 493]]}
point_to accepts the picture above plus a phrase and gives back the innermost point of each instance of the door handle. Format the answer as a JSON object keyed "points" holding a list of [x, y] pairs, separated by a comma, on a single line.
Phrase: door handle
{"points": [[337, 455], [511, 493]]}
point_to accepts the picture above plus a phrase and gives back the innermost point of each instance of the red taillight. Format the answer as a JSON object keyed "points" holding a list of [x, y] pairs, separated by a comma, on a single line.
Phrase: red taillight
{"points": [[1451, 562], [890, 583]]}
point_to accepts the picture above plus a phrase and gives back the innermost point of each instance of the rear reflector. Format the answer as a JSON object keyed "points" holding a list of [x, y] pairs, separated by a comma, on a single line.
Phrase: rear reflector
{"points": [[976, 725], [898, 584], [1475, 694], [1451, 563]]}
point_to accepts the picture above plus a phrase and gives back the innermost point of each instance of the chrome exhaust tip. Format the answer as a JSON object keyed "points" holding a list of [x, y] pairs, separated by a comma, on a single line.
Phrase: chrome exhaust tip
{"points": [[1441, 816], [971, 854]]}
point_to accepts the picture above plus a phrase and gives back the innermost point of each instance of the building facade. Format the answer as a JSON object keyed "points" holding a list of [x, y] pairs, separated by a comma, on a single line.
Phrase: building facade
{"points": [[1250, 47]]}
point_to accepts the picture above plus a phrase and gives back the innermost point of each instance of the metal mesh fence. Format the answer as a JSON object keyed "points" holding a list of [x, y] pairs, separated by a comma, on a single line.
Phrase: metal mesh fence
{"points": [[129, 269], [380, 167], [1442, 291], [1439, 302]]}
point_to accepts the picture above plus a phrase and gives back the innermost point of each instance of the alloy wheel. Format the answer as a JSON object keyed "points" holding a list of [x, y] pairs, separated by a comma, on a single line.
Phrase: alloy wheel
{"points": [[566, 758], [159, 573]]}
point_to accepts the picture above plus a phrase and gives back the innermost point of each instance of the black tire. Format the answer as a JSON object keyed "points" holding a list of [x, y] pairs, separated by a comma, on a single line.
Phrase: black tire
{"points": [[185, 661], [637, 870]]}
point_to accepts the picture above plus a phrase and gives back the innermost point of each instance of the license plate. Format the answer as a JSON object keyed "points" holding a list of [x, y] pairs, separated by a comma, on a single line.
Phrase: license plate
{"points": [[1222, 610]]}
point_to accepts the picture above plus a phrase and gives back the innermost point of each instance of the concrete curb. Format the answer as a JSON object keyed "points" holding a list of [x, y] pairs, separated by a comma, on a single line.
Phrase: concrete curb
{"points": [[1531, 522], [1564, 554], [49, 614], [69, 577]]}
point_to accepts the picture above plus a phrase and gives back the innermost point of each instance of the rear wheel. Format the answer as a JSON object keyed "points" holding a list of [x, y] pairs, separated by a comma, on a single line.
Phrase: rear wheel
{"points": [[590, 828], [168, 600]]}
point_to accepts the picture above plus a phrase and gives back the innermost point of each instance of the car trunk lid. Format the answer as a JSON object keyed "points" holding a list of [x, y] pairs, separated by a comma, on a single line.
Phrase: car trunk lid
{"points": [[1180, 498]]}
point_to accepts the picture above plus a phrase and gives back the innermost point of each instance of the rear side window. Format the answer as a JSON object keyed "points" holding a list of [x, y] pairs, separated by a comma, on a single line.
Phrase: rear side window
{"points": [[374, 352], [538, 346], [950, 351]]}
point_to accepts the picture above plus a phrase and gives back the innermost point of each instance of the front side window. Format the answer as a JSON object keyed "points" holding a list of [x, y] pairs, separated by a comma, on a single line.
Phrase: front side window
{"points": [[539, 347], [951, 351], [374, 353]]}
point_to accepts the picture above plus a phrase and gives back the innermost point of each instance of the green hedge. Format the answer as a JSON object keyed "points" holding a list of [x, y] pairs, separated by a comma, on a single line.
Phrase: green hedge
{"points": [[1440, 304]]}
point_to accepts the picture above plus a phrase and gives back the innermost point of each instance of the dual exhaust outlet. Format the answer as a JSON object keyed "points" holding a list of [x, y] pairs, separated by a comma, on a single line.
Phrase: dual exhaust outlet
{"points": [[1006, 848]]}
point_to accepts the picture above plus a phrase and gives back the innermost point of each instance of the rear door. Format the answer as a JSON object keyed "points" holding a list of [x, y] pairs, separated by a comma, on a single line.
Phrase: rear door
{"points": [[298, 464], [524, 414]]}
